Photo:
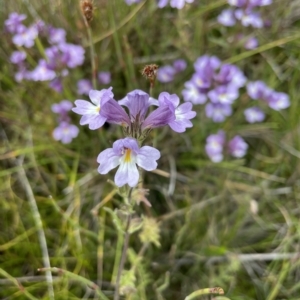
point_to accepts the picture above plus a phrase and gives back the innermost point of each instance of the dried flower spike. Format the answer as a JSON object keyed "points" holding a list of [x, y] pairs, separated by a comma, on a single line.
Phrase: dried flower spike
{"points": [[150, 72], [87, 8]]}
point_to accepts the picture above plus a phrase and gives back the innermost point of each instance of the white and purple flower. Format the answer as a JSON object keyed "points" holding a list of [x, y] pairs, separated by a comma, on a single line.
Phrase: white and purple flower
{"points": [[65, 132], [126, 154]]}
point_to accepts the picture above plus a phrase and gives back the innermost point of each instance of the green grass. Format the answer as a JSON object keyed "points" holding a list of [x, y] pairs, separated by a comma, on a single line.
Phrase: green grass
{"points": [[204, 210]]}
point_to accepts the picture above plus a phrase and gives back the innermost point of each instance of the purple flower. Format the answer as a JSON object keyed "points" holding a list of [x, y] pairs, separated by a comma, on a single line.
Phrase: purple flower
{"points": [[162, 3], [84, 86], [92, 113], [126, 154], [217, 111], [166, 74], [237, 147], [65, 132], [183, 112], [192, 94], [238, 3], [258, 90], [56, 84], [249, 18], [138, 103], [251, 43], [161, 116], [13, 22], [129, 2], [224, 94], [227, 18], [179, 65], [278, 101], [22, 73], [73, 55], [201, 81], [230, 74], [206, 65], [25, 36], [104, 77], [179, 4], [214, 146], [18, 57], [57, 35], [253, 3], [42, 72], [254, 114], [63, 107]]}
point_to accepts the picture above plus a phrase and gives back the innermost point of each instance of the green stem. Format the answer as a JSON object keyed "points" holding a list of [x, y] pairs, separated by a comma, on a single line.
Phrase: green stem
{"points": [[125, 248], [93, 57]]}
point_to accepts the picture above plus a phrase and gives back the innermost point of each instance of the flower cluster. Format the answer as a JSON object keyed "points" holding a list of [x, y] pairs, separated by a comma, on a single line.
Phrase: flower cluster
{"points": [[221, 83], [179, 4], [65, 131], [57, 58], [219, 86], [85, 85], [216, 82], [167, 73], [137, 123], [215, 144], [244, 12]]}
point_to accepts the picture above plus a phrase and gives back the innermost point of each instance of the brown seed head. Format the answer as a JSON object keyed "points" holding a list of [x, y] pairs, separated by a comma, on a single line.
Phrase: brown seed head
{"points": [[87, 9], [150, 71]]}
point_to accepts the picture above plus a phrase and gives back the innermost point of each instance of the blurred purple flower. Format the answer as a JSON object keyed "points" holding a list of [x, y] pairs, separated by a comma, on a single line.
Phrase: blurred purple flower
{"points": [[25, 36], [42, 72], [251, 43], [206, 65], [249, 18], [227, 18], [84, 86], [126, 154], [254, 114], [191, 93], [104, 77], [217, 111], [56, 84], [258, 90], [73, 55], [238, 3], [179, 65], [18, 57], [223, 94], [62, 108], [22, 73], [214, 146], [129, 2], [230, 74], [65, 132], [57, 35], [253, 3], [278, 101], [166, 74], [237, 147], [179, 4], [13, 22], [201, 81]]}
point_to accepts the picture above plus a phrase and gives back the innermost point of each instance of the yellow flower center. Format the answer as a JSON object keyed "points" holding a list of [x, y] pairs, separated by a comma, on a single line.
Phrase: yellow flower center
{"points": [[127, 155]]}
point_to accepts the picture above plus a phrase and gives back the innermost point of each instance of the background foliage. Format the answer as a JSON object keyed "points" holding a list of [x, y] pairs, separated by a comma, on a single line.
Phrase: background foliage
{"points": [[210, 215]]}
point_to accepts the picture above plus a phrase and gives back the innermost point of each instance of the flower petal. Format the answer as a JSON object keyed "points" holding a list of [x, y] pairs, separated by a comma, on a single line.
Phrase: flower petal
{"points": [[147, 157], [127, 173]]}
